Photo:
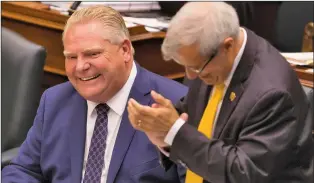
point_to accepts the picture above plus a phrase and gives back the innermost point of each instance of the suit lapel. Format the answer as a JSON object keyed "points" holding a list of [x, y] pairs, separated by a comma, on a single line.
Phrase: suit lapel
{"points": [[227, 108], [139, 92], [237, 84], [77, 135]]}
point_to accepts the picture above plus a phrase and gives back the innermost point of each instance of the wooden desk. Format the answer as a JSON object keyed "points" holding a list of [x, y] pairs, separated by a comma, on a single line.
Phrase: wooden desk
{"points": [[40, 25], [305, 78], [37, 23]]}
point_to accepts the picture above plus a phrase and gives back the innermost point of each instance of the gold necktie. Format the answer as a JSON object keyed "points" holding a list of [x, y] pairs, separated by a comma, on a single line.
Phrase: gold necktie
{"points": [[206, 126]]}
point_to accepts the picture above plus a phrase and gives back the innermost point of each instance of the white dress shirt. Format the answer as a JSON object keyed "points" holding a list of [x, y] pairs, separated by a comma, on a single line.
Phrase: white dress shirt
{"points": [[117, 106], [178, 124]]}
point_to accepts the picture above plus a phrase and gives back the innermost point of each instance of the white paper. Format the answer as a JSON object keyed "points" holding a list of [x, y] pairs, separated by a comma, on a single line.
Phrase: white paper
{"points": [[148, 22], [129, 24], [299, 58], [309, 70]]}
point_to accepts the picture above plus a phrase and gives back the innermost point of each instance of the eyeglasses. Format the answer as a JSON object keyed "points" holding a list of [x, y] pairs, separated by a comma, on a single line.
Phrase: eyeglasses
{"points": [[198, 71]]}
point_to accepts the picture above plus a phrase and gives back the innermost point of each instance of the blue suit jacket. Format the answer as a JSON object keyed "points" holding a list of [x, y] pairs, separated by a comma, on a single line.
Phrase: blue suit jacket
{"points": [[54, 148]]}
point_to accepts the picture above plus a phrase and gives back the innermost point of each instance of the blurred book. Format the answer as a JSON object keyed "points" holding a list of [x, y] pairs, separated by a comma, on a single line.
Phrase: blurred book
{"points": [[299, 58]]}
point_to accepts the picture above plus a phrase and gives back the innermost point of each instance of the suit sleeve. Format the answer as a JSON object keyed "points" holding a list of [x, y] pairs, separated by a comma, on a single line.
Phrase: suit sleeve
{"points": [[264, 142], [26, 166]]}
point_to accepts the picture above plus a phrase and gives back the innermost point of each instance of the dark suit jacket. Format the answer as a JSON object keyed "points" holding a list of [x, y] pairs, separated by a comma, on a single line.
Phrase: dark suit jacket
{"points": [[263, 136], [54, 148]]}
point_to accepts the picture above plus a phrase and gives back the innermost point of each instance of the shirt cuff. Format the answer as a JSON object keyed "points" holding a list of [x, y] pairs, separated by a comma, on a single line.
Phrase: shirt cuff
{"points": [[173, 131]]}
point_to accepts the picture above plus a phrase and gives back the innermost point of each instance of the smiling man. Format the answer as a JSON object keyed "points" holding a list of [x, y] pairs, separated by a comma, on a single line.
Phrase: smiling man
{"points": [[82, 132], [246, 118]]}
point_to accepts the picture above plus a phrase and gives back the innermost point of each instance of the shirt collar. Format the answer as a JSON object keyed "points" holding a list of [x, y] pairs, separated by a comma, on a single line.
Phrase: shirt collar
{"points": [[236, 60], [118, 101]]}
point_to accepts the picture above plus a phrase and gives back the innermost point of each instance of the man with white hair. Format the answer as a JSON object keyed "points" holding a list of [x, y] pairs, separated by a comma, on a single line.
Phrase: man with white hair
{"points": [[246, 118], [81, 132]]}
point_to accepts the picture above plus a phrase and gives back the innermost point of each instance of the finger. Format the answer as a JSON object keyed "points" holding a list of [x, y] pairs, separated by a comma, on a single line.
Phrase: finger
{"points": [[147, 117], [184, 116], [135, 118], [132, 111], [141, 109], [147, 122], [132, 119], [162, 119], [155, 105], [160, 99]]}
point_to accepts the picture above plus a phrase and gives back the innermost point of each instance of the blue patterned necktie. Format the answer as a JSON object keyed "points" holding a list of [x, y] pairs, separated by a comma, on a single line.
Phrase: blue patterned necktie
{"points": [[95, 160]]}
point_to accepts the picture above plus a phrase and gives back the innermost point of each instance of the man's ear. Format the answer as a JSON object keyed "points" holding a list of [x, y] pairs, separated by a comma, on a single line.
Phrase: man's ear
{"points": [[228, 43], [126, 50]]}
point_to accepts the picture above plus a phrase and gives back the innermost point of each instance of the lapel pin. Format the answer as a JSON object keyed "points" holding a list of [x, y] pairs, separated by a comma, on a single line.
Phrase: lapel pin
{"points": [[232, 96]]}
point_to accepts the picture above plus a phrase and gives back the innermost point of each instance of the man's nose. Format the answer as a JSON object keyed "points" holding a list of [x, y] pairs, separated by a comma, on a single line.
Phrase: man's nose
{"points": [[82, 64]]}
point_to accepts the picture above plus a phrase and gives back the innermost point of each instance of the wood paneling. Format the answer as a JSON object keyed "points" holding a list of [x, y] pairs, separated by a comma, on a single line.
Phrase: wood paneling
{"points": [[37, 23], [40, 25]]}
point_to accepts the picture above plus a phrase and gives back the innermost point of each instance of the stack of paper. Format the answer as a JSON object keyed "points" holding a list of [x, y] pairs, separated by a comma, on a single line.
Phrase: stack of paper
{"points": [[300, 58], [151, 24]]}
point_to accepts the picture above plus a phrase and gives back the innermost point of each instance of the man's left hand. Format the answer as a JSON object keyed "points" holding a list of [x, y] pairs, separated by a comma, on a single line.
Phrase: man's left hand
{"points": [[158, 119]]}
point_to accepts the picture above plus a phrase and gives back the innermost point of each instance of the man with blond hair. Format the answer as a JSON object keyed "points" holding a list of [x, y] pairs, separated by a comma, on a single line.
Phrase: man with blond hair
{"points": [[81, 132], [246, 118]]}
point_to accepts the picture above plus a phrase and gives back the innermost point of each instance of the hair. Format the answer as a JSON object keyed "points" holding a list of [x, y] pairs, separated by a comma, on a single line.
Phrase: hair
{"points": [[203, 23], [114, 26]]}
